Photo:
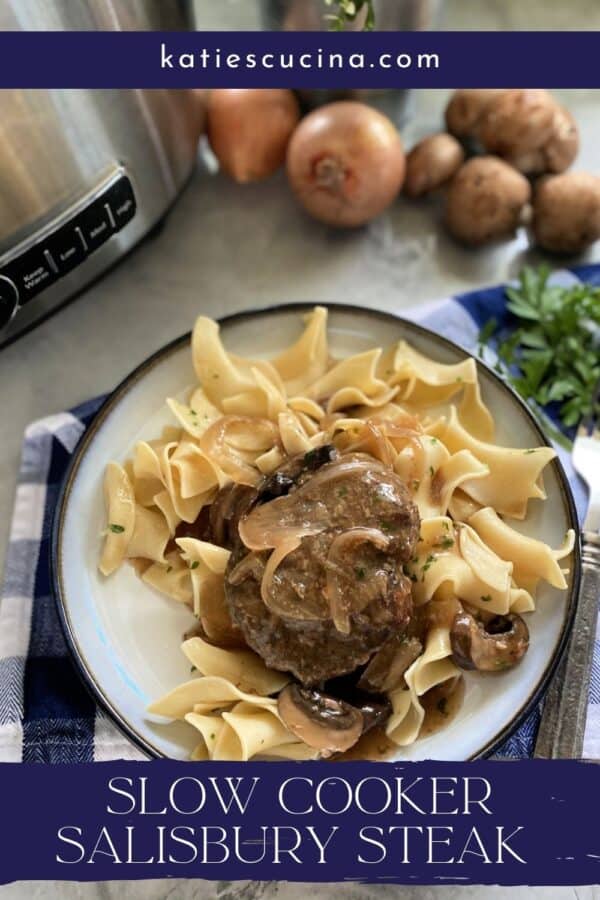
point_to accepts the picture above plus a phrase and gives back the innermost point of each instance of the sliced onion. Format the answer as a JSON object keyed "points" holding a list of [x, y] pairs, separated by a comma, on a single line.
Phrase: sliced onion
{"points": [[214, 442], [340, 598], [281, 524], [368, 439]]}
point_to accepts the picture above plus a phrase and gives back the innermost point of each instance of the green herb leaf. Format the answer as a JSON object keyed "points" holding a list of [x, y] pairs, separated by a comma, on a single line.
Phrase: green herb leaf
{"points": [[487, 598], [195, 564], [348, 11], [553, 354], [116, 529]]}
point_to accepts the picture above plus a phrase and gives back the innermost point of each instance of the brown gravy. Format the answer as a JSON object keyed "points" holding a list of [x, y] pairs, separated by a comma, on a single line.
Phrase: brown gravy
{"points": [[441, 704]]}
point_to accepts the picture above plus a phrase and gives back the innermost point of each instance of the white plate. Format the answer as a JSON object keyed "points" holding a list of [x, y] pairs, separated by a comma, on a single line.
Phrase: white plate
{"points": [[125, 637]]}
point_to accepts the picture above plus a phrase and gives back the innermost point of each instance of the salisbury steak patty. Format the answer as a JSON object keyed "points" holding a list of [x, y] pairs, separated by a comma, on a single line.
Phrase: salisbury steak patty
{"points": [[339, 592]]}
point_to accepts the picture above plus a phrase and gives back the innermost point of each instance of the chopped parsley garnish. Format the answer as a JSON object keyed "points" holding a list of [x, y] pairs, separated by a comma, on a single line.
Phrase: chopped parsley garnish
{"points": [[527, 452], [116, 529], [386, 525], [446, 543], [343, 492], [416, 485], [433, 440], [427, 565], [431, 471], [360, 573], [193, 668], [195, 564], [212, 735], [487, 598], [169, 569], [552, 356]]}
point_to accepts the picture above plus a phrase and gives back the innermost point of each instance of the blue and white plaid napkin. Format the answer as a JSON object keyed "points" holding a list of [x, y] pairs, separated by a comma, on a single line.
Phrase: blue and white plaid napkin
{"points": [[46, 714]]}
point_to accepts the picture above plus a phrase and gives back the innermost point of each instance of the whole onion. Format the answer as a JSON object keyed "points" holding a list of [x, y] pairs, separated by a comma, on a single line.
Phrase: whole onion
{"points": [[345, 163], [248, 130]]}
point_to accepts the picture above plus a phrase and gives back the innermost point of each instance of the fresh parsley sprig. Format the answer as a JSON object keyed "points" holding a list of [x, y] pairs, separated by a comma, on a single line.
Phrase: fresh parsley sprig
{"points": [[553, 355], [348, 11]]}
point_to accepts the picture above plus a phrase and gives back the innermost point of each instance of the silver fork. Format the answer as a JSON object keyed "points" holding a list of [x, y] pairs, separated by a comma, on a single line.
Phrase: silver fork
{"points": [[562, 728]]}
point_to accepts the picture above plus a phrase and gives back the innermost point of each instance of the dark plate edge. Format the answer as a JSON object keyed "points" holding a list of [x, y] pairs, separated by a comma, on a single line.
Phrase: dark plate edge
{"points": [[302, 307]]}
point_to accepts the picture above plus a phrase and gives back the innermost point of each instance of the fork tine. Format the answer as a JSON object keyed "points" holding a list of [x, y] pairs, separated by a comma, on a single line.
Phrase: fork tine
{"points": [[582, 430]]}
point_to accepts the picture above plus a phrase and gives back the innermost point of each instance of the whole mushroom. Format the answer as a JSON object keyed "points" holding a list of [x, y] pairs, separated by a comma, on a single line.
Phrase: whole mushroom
{"points": [[488, 647], [557, 153], [465, 109], [485, 200], [530, 130], [517, 121], [431, 163], [323, 722], [566, 212]]}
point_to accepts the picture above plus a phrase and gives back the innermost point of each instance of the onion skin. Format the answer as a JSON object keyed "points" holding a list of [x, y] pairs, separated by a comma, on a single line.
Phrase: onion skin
{"points": [[345, 163], [248, 130]]}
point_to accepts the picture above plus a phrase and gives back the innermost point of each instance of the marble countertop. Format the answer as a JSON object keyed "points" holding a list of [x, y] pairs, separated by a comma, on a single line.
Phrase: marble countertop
{"points": [[226, 247]]}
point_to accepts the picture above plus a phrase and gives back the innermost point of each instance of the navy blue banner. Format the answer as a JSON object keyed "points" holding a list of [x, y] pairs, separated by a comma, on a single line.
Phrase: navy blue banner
{"points": [[299, 59], [510, 823]]}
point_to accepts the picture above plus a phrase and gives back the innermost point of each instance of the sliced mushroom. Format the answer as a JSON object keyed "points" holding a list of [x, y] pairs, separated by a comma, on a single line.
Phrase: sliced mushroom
{"points": [[321, 721], [375, 710], [227, 508], [387, 667], [281, 482], [498, 644]]}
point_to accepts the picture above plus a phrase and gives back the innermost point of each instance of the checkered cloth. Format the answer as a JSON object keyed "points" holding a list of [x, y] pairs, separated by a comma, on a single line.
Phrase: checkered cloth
{"points": [[46, 714]]}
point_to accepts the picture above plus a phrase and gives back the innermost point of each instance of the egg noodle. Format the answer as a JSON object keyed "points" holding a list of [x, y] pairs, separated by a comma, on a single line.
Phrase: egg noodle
{"points": [[424, 418]]}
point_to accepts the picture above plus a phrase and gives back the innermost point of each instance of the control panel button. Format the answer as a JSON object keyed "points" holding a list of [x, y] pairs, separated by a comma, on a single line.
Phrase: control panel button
{"points": [[66, 248], [32, 272], [9, 298], [95, 224], [121, 200]]}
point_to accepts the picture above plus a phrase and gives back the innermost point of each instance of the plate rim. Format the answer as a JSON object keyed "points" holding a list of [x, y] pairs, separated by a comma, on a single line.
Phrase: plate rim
{"points": [[137, 373]]}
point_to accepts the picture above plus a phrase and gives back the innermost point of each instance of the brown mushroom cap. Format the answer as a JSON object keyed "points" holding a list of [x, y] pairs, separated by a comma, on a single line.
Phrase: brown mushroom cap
{"points": [[566, 212], [517, 122], [485, 200], [491, 647], [465, 108], [431, 163], [563, 145], [386, 668], [321, 721], [557, 153]]}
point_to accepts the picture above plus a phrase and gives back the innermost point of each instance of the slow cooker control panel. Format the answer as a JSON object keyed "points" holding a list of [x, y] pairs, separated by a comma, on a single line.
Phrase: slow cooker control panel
{"points": [[63, 248]]}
